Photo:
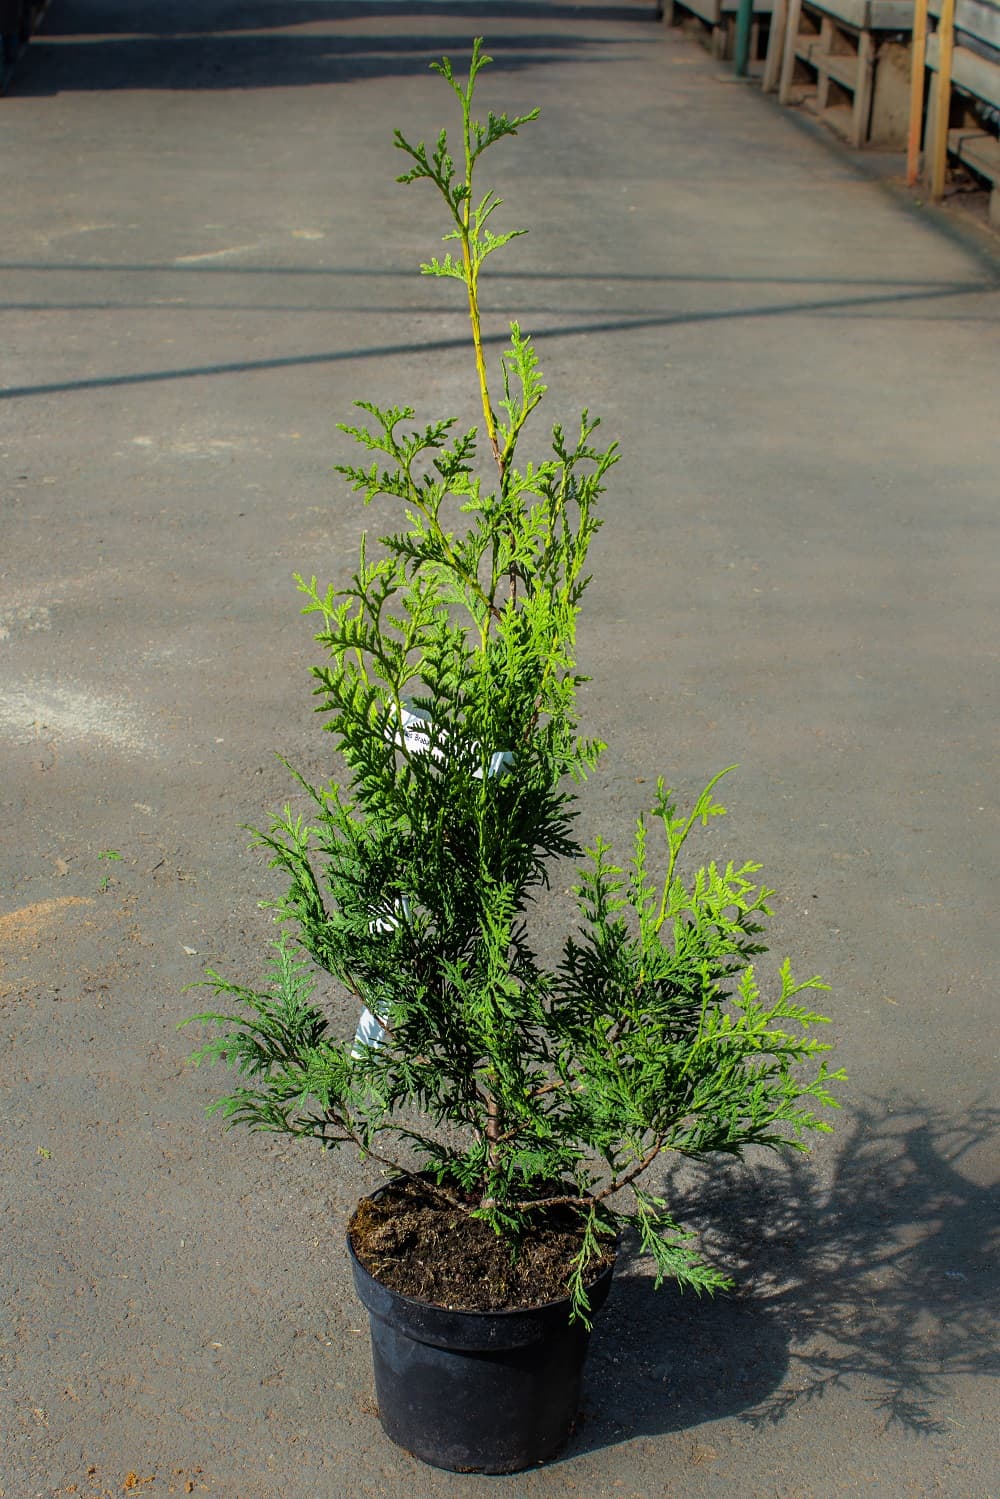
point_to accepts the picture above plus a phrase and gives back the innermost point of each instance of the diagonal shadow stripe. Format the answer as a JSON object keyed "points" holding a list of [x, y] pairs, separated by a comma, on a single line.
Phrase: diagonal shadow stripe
{"points": [[435, 346], [187, 268]]}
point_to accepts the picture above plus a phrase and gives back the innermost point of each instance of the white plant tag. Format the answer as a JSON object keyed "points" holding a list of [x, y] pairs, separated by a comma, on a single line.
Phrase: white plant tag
{"points": [[416, 735], [416, 739], [371, 1030]]}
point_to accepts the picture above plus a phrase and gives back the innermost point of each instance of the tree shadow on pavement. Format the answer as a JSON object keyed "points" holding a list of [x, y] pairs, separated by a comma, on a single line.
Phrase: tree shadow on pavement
{"points": [[883, 1275], [195, 47], [153, 18]]}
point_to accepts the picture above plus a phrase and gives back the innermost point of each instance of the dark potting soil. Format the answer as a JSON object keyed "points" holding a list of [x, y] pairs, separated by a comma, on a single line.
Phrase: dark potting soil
{"points": [[422, 1247]]}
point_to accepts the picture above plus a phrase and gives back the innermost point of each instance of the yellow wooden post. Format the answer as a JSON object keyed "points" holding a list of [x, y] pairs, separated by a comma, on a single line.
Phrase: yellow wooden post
{"points": [[918, 56], [942, 101]]}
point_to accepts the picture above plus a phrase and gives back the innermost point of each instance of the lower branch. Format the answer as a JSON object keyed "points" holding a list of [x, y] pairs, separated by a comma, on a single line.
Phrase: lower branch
{"points": [[351, 1137], [617, 1185]]}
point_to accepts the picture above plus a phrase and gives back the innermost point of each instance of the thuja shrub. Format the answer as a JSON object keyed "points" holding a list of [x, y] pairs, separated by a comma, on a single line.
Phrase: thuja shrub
{"points": [[449, 683]]}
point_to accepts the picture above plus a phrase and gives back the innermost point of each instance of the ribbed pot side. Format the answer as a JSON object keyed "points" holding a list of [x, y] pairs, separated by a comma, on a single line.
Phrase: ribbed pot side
{"points": [[475, 1392]]}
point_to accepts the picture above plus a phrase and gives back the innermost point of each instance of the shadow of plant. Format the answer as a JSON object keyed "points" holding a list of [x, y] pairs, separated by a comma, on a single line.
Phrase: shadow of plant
{"points": [[882, 1276]]}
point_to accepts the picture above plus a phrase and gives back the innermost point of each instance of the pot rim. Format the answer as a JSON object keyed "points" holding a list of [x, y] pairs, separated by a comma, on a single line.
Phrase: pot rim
{"points": [[460, 1311]]}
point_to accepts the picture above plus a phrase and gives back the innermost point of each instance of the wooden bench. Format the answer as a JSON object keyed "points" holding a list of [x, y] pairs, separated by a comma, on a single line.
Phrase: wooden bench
{"points": [[848, 62], [971, 74], [718, 17]]}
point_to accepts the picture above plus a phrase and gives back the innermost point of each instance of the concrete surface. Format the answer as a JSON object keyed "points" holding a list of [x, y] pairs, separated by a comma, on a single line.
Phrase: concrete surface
{"points": [[205, 259]]}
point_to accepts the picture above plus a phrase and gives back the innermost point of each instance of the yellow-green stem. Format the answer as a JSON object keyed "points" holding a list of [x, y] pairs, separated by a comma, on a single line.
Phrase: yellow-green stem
{"points": [[477, 340], [471, 282]]}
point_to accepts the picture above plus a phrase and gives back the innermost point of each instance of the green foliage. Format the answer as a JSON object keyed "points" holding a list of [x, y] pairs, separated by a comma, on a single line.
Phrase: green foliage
{"points": [[449, 683]]}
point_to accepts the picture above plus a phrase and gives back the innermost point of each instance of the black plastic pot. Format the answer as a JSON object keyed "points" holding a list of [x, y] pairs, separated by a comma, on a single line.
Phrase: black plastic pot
{"points": [[476, 1392]]}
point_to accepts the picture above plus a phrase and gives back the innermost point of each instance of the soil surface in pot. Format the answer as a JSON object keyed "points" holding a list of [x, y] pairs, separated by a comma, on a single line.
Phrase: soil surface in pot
{"points": [[422, 1247]]}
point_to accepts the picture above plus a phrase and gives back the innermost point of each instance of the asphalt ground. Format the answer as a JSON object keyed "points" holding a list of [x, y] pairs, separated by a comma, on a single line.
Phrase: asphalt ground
{"points": [[204, 260]]}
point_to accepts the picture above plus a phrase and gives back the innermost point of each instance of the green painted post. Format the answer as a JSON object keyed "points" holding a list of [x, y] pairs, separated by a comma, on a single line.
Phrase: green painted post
{"points": [[744, 16]]}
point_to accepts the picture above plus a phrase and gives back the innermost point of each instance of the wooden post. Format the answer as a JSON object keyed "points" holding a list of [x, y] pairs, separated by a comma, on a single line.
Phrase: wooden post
{"points": [[861, 114], [918, 59], [788, 57], [938, 144], [775, 45], [820, 56]]}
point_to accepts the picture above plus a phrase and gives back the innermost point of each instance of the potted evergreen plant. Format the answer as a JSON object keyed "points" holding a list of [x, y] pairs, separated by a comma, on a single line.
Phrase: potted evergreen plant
{"points": [[515, 1111]]}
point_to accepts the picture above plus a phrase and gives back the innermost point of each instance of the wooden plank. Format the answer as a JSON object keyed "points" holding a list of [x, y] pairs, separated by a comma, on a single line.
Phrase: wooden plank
{"points": [[850, 12], [973, 74], [867, 15], [841, 67], [837, 118], [890, 15], [980, 18], [708, 11], [712, 12], [759, 8], [978, 149]]}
